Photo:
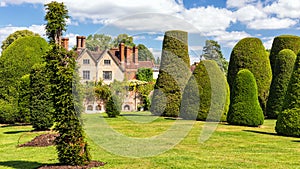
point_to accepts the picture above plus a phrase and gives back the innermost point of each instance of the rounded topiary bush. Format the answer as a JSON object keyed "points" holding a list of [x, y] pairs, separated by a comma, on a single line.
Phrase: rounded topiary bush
{"points": [[244, 107], [213, 92], [249, 53], [173, 75], [285, 61], [283, 42], [288, 122]]}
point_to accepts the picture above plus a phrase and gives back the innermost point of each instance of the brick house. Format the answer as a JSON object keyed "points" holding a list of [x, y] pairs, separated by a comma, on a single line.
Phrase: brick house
{"points": [[119, 63]]}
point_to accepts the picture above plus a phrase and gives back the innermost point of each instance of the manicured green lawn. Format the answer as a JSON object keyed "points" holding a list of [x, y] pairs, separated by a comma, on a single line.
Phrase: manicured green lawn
{"points": [[228, 147]]}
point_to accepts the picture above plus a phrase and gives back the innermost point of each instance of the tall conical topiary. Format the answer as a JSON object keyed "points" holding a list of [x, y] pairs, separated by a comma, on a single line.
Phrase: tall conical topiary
{"points": [[213, 92], [249, 53], [283, 42], [244, 107], [288, 121], [173, 74], [283, 69]]}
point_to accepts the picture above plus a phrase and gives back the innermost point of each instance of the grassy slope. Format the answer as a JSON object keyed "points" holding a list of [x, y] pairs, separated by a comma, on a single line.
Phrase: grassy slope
{"points": [[229, 147]]}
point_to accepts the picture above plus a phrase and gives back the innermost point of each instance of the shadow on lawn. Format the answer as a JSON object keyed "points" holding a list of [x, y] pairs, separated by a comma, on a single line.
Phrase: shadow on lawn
{"points": [[16, 132], [21, 164], [261, 132]]}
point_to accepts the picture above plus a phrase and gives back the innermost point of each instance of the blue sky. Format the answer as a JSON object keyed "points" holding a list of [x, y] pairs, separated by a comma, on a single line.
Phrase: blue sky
{"points": [[226, 21]]}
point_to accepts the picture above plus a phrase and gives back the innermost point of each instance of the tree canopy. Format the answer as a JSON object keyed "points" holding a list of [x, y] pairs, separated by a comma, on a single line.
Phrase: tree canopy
{"points": [[14, 36], [144, 53], [98, 42], [56, 17]]}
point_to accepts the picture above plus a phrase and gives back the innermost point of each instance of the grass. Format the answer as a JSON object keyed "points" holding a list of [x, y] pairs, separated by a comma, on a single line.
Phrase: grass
{"points": [[228, 147]]}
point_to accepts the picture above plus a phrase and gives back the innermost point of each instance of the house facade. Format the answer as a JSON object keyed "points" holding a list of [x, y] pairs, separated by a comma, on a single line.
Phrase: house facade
{"points": [[119, 64]]}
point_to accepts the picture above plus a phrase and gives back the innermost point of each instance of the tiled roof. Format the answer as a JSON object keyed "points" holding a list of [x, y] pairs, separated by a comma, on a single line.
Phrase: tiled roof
{"points": [[146, 64]]}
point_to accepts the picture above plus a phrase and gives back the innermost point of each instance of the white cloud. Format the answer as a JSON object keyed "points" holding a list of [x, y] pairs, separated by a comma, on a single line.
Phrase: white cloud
{"points": [[267, 41], [238, 3], [196, 48], [284, 8], [159, 38], [72, 39], [228, 39], [271, 23], [249, 13], [2, 4]]}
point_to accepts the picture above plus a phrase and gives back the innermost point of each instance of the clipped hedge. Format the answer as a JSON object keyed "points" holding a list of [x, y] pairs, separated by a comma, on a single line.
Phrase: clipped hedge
{"points": [[288, 122], [249, 53], [283, 69], [244, 108], [213, 92], [283, 42], [173, 75]]}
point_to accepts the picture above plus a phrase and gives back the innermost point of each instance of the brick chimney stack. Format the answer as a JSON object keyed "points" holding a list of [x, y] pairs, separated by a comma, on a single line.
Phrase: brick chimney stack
{"points": [[65, 43], [136, 55], [83, 42], [128, 54], [78, 42], [122, 53]]}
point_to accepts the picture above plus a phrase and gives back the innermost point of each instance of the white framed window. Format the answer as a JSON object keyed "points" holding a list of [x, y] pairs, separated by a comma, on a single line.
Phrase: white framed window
{"points": [[106, 62], [86, 75], [86, 61], [107, 75]]}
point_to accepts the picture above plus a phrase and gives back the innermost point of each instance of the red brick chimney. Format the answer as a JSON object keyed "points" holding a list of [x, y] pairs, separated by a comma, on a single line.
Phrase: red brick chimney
{"points": [[128, 55], [83, 42], [78, 42], [122, 53], [136, 55], [65, 42]]}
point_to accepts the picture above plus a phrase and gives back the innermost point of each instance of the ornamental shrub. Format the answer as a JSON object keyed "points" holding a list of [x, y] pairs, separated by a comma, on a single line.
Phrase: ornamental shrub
{"points": [[213, 91], [283, 69], [244, 107], [249, 53], [41, 104], [288, 122], [283, 42], [173, 75], [145, 74], [111, 107]]}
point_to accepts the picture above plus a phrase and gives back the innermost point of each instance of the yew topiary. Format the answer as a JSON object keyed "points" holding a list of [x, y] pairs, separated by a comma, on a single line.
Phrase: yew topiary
{"points": [[173, 75], [283, 42], [249, 53], [244, 107], [283, 69], [213, 92]]}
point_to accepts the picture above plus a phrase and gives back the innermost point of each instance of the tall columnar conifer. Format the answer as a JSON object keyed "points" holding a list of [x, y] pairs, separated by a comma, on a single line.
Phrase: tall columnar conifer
{"points": [[288, 121], [244, 107], [173, 74], [284, 65], [283, 42], [213, 92], [249, 53]]}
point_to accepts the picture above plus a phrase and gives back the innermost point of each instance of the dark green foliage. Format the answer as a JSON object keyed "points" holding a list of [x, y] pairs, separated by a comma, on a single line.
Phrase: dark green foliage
{"points": [[98, 42], [293, 91], [6, 115], [284, 65], [288, 122], [14, 36], [111, 107], [249, 53], [144, 53], [144, 90], [283, 42], [24, 98], [15, 62], [173, 75], [41, 103], [212, 51], [71, 145], [244, 107], [145, 74], [123, 38], [213, 92], [56, 17], [102, 91]]}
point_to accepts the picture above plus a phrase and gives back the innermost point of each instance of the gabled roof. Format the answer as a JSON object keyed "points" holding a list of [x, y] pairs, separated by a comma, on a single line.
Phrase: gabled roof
{"points": [[146, 64]]}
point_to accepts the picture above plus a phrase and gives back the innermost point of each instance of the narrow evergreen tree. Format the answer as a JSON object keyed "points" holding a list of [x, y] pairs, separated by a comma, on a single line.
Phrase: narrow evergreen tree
{"points": [[249, 53], [111, 107], [173, 74], [61, 65], [284, 65], [41, 105], [288, 121], [244, 107], [213, 92], [24, 98], [283, 42]]}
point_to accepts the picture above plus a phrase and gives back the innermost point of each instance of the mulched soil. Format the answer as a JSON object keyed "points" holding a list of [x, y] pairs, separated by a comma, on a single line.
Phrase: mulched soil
{"points": [[41, 140], [58, 166]]}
